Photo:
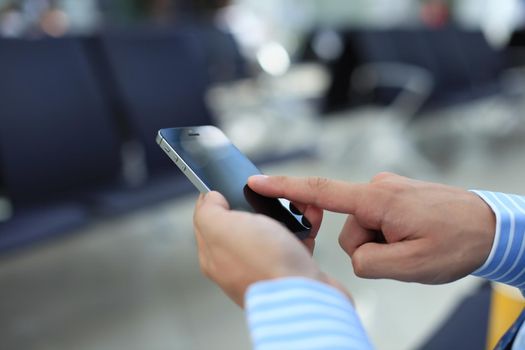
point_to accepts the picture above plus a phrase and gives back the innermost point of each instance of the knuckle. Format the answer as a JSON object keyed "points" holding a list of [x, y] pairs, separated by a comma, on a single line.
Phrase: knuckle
{"points": [[206, 270], [341, 241], [418, 258], [384, 175], [197, 219], [344, 244], [357, 263], [389, 188], [280, 180], [317, 182]]}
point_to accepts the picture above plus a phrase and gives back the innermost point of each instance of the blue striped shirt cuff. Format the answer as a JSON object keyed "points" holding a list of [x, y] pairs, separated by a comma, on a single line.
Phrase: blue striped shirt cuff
{"points": [[506, 261], [298, 313]]}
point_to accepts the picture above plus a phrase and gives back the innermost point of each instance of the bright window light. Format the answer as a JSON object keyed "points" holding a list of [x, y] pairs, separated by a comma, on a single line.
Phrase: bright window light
{"points": [[273, 59]]}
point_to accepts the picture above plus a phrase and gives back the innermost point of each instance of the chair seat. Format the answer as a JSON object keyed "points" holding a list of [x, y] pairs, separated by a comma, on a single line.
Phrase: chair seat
{"points": [[264, 159], [120, 200], [166, 186], [29, 226]]}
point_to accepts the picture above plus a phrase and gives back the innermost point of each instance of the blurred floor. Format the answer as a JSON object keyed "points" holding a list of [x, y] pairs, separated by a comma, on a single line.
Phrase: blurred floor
{"points": [[134, 283]]}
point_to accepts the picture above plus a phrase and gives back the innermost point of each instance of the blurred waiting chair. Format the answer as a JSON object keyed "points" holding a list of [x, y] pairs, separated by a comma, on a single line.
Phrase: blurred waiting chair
{"points": [[158, 79], [467, 67], [223, 55], [161, 80], [515, 51], [56, 139], [463, 64]]}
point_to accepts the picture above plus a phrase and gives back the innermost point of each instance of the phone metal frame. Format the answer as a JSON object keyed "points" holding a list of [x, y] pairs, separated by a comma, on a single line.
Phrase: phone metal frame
{"points": [[179, 162]]}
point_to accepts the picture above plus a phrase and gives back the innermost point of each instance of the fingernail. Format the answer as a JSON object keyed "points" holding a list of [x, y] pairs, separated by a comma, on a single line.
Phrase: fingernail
{"points": [[258, 179]]}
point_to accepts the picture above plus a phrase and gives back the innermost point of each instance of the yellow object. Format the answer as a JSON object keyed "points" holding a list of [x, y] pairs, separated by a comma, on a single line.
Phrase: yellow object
{"points": [[505, 306]]}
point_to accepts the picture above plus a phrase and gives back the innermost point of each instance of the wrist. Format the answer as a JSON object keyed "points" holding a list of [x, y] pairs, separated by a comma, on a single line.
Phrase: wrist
{"points": [[486, 220], [278, 285], [315, 274], [330, 281], [322, 281]]}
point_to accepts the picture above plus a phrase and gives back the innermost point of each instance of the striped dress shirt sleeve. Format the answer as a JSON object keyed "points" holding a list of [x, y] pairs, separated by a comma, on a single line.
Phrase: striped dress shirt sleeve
{"points": [[298, 313], [506, 261]]}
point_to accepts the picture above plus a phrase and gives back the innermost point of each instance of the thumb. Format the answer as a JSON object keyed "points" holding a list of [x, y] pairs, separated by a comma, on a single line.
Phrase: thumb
{"points": [[209, 208], [213, 199], [400, 260]]}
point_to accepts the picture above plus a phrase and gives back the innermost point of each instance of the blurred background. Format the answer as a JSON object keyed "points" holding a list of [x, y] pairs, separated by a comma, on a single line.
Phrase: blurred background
{"points": [[96, 242]]}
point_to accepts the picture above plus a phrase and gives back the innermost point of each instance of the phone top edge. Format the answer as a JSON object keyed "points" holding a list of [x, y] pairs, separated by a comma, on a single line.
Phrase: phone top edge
{"points": [[159, 138], [181, 164]]}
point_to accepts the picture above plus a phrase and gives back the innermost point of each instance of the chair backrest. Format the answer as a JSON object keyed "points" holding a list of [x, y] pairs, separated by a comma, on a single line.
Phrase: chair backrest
{"points": [[339, 94], [484, 62], [375, 46], [161, 77], [56, 136], [413, 48], [515, 50], [450, 72], [378, 46], [223, 55], [4, 210]]}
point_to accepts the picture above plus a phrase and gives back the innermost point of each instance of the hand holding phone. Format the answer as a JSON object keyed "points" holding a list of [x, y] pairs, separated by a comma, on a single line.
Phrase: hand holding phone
{"points": [[212, 163]]}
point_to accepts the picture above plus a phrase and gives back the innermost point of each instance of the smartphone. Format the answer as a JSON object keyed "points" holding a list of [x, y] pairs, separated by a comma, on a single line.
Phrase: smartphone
{"points": [[212, 163]]}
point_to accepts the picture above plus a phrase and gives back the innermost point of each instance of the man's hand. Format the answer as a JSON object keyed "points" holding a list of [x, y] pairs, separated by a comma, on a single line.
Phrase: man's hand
{"points": [[399, 228], [237, 249]]}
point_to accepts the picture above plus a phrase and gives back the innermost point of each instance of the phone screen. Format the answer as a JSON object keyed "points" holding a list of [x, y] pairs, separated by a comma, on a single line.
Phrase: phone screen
{"points": [[221, 167]]}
